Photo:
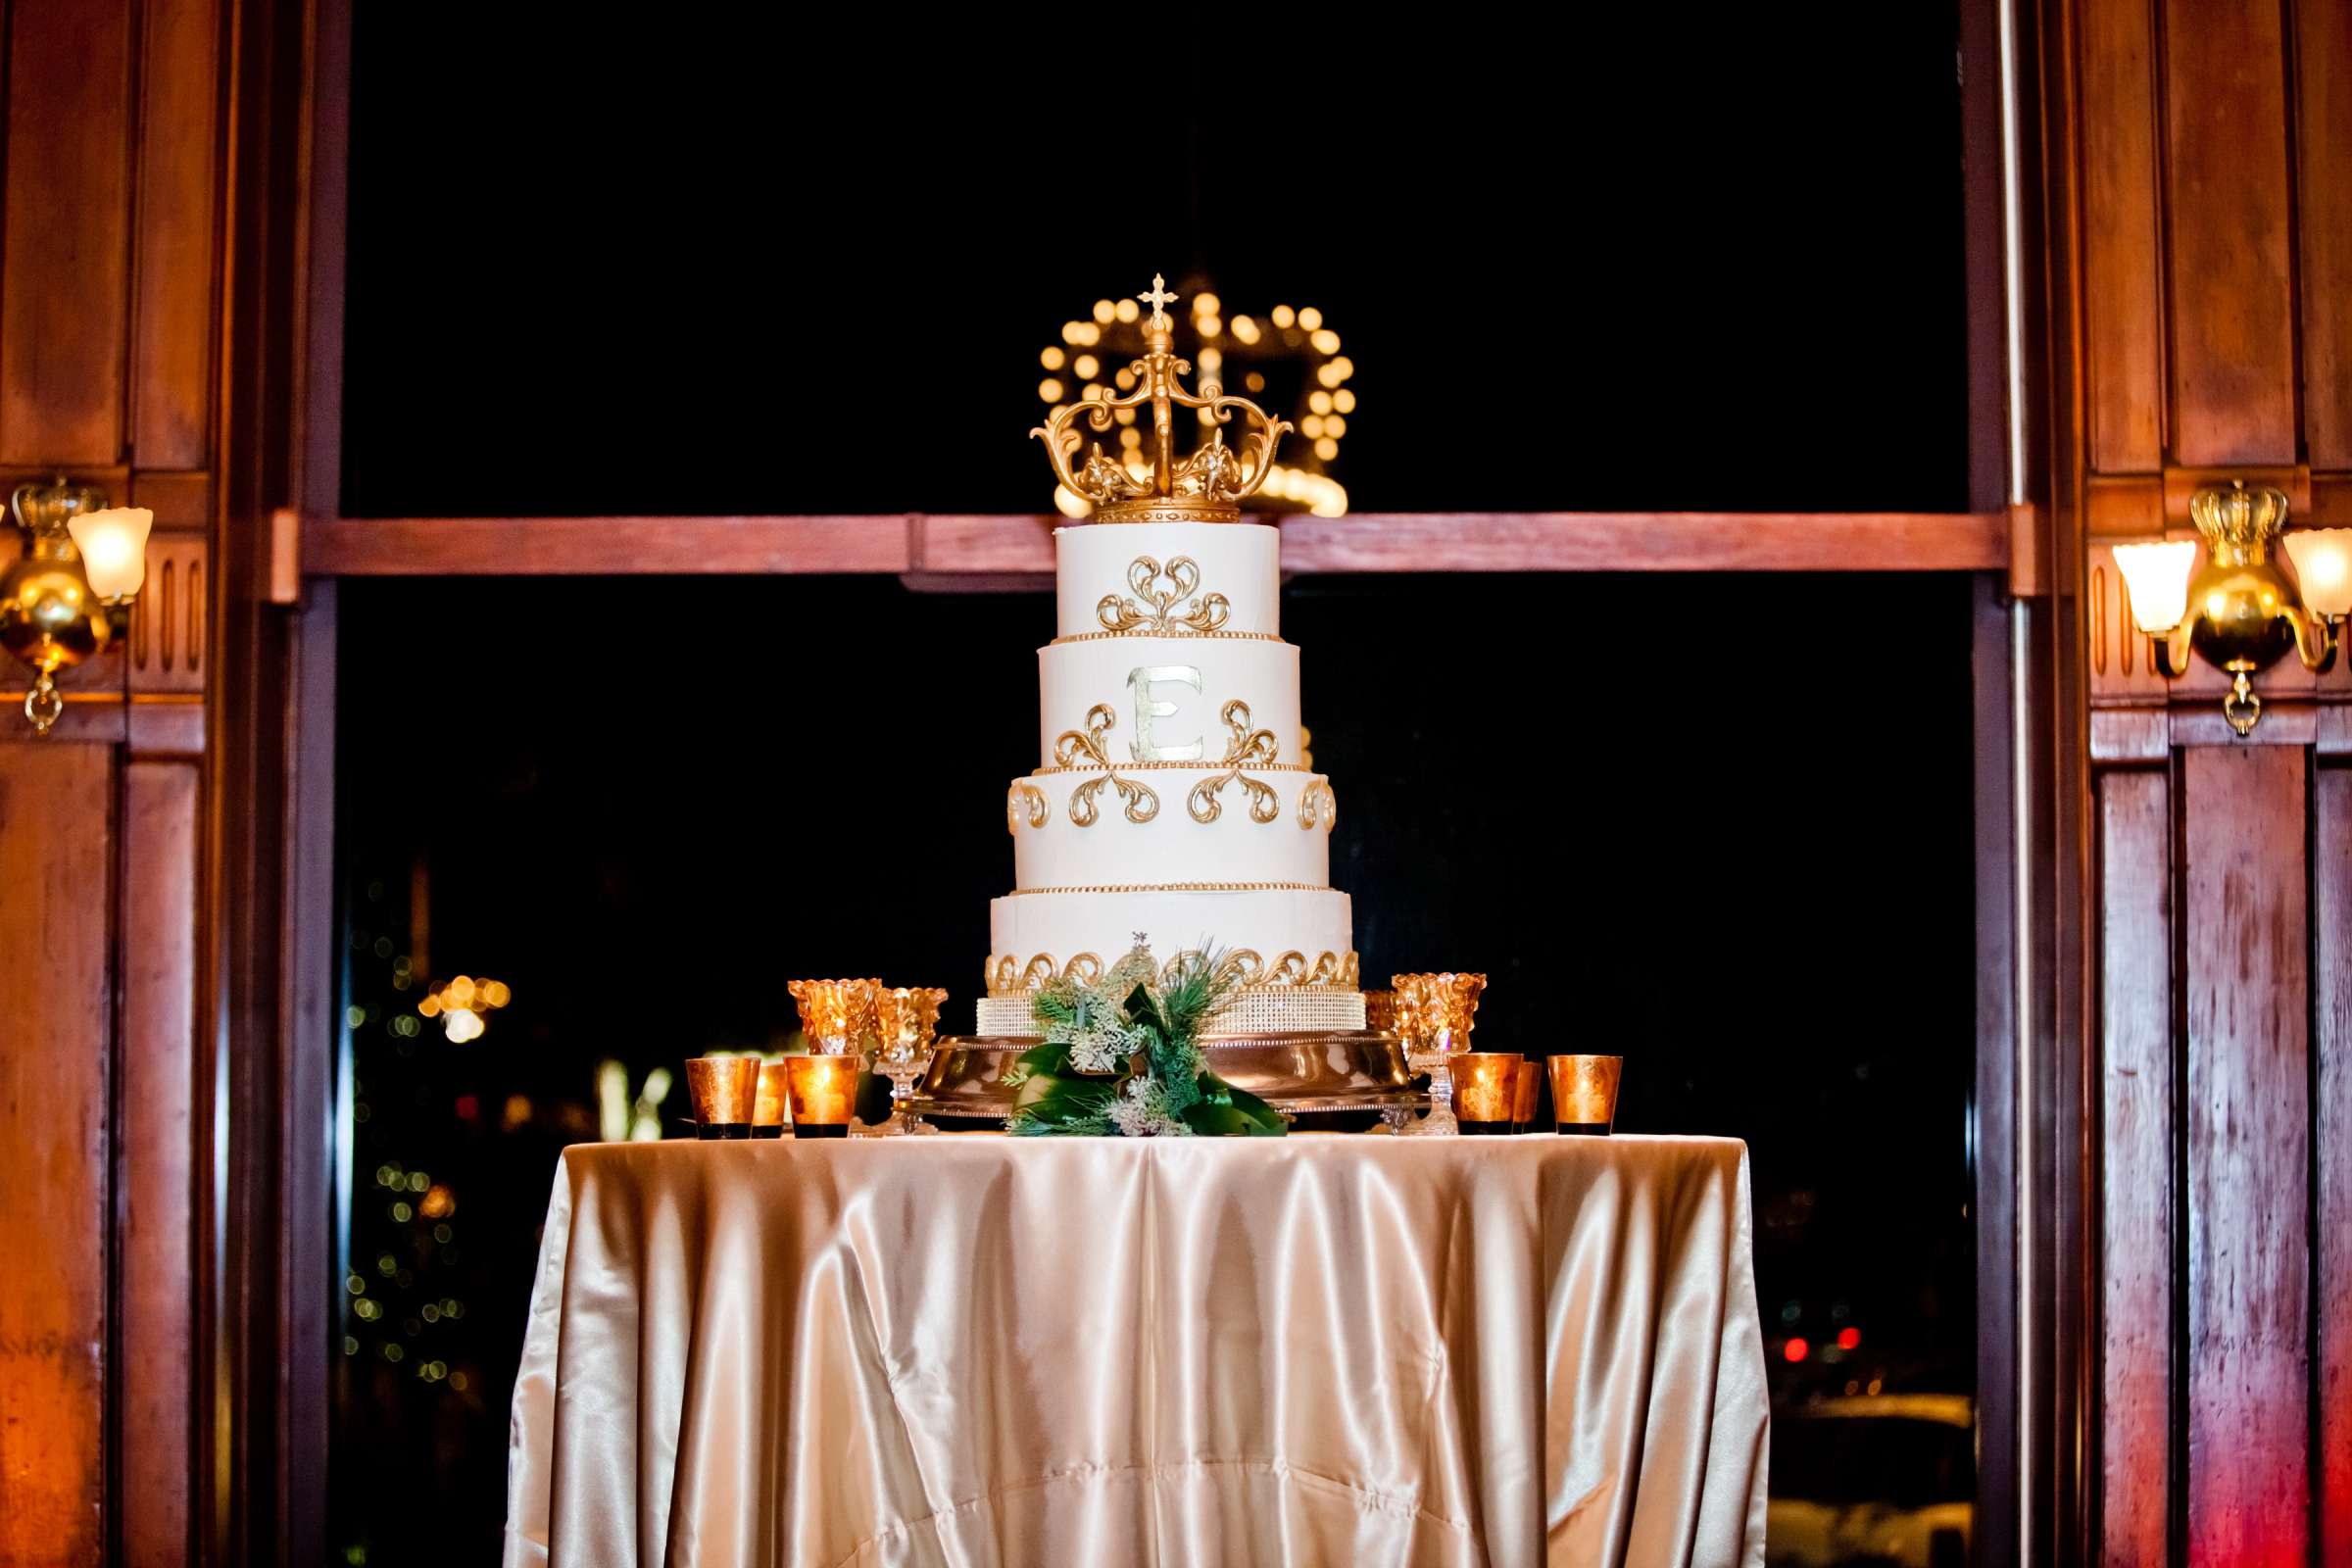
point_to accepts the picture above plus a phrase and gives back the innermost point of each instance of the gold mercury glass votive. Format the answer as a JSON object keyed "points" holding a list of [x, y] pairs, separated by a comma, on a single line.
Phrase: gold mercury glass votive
{"points": [[823, 1090], [907, 1018], [1380, 1011], [1523, 1109], [726, 1091], [1485, 1091], [1434, 1014], [767, 1109], [836, 1014], [1583, 1093], [1439, 1009]]}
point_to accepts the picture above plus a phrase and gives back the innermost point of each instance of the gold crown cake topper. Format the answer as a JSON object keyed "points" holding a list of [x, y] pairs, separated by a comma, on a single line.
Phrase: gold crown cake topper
{"points": [[1208, 486]]}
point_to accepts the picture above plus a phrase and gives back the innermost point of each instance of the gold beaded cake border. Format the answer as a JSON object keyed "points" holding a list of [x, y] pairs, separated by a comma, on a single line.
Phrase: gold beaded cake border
{"points": [[1007, 977], [1198, 766], [1177, 887], [1186, 637]]}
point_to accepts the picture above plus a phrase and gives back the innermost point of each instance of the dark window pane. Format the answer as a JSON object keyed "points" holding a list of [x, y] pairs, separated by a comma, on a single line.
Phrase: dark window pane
{"points": [[686, 267], [1768, 908]]}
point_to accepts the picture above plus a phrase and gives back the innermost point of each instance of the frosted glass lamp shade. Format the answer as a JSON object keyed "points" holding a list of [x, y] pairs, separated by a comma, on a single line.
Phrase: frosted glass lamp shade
{"points": [[114, 548], [2158, 578], [2323, 559]]}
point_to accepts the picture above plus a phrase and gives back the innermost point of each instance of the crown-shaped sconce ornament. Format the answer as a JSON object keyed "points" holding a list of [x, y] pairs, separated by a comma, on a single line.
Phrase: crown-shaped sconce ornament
{"points": [[68, 595], [1208, 485], [2240, 612]]}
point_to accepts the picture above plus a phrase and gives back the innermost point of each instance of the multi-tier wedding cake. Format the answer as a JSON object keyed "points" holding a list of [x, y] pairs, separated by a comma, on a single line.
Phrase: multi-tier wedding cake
{"points": [[1173, 802]]}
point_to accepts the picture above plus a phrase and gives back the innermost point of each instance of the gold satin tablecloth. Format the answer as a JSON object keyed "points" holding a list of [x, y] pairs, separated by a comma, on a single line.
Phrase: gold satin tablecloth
{"points": [[975, 1350]]}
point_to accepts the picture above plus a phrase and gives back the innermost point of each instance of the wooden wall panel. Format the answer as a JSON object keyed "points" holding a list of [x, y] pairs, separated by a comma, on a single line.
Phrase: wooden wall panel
{"points": [[156, 1159], [2135, 953], [165, 650], [2331, 1119], [2323, 153], [2247, 1000], [2123, 306], [178, 236], [56, 996], [65, 248], [2228, 203]]}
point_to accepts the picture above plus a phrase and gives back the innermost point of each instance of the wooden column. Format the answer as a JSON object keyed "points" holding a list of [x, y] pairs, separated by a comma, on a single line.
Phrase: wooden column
{"points": [[111, 314], [2197, 162]]}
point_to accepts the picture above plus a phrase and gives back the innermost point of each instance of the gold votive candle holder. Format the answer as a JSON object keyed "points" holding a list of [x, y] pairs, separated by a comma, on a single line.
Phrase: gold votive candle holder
{"points": [[1380, 1011], [726, 1094], [821, 1089], [1523, 1105], [768, 1106], [836, 1014], [1433, 1016], [1583, 1093], [1485, 1091], [907, 1017], [1437, 1011]]}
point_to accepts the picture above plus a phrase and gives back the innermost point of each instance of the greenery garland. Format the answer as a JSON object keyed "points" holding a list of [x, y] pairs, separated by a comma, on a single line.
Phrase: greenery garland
{"points": [[1122, 1057]]}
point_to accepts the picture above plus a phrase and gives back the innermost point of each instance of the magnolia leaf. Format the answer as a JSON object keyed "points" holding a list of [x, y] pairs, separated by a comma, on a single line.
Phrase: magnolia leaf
{"points": [[1224, 1111]]}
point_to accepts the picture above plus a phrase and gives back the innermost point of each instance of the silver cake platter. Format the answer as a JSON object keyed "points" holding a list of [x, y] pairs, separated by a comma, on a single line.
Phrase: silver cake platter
{"points": [[1298, 1071]]}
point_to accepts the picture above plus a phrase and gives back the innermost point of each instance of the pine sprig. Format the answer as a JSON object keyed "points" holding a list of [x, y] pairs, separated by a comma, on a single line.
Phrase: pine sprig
{"points": [[1122, 1054]]}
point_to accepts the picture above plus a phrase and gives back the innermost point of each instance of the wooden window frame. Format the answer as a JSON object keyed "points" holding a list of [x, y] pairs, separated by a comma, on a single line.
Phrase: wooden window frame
{"points": [[273, 898]]}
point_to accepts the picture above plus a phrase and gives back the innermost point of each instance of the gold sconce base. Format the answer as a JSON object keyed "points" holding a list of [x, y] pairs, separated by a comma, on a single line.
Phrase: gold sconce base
{"points": [[2241, 708], [45, 704], [2242, 614], [51, 617]]}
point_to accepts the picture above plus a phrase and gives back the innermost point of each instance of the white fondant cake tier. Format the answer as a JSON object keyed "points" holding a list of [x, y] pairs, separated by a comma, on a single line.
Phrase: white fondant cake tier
{"points": [[1194, 609], [1270, 922], [1239, 564], [1255, 1012], [1088, 838], [1075, 677]]}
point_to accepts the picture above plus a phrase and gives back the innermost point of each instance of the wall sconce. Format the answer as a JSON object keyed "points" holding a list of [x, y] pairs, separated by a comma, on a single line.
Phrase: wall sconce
{"points": [[2240, 611], [70, 594]]}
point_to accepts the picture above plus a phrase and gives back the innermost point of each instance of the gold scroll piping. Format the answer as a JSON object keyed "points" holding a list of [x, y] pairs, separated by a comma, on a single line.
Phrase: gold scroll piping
{"points": [[1247, 747], [1142, 801], [1153, 610], [1024, 801], [1317, 804], [1295, 971], [1007, 976]]}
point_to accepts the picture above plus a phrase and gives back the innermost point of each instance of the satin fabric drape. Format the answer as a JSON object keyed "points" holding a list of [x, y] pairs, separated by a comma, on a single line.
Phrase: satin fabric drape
{"points": [[973, 1351]]}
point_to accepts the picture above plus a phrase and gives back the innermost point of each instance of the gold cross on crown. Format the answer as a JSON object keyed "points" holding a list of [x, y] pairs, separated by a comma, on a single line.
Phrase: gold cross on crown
{"points": [[1160, 299]]}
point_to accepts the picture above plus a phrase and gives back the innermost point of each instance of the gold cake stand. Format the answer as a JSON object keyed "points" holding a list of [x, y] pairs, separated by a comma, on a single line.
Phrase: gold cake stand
{"points": [[1296, 1072]]}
